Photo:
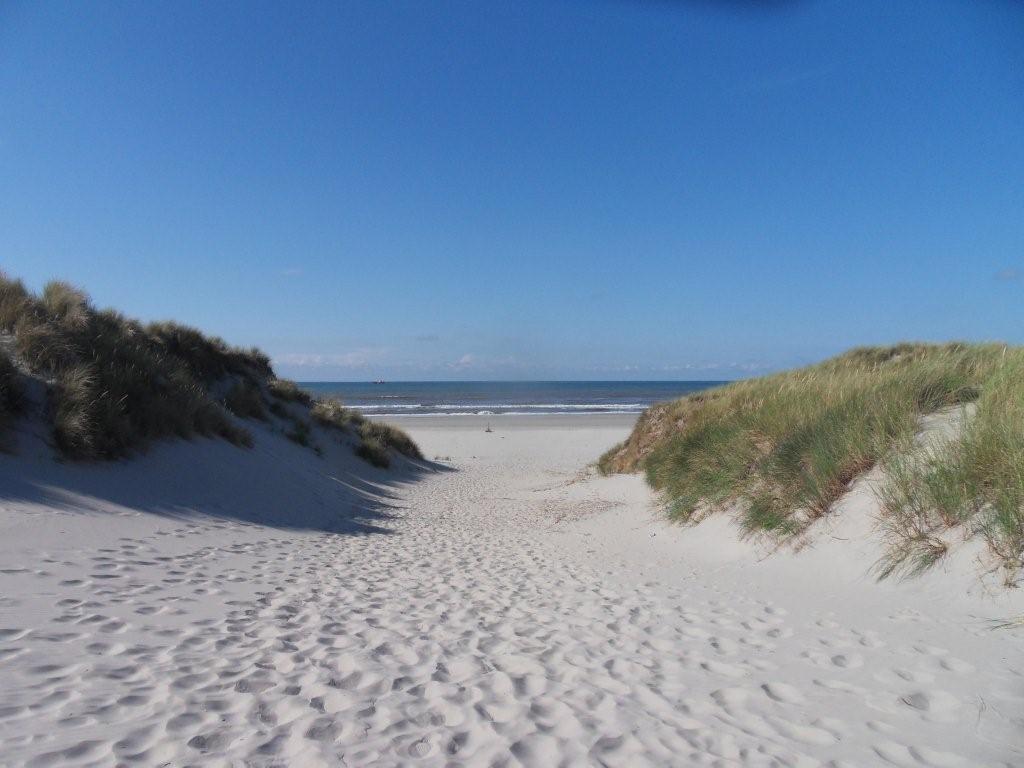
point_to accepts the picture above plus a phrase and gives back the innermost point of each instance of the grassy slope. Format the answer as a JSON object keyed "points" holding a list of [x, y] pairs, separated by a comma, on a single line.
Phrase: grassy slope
{"points": [[782, 449], [115, 384], [973, 479]]}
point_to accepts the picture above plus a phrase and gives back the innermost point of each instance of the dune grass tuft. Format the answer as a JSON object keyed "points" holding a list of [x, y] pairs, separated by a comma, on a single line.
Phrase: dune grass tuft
{"points": [[390, 437], [15, 302], [245, 400], [330, 412], [209, 358], [973, 478], [374, 452], [289, 392], [375, 438], [299, 432], [782, 449], [114, 386]]}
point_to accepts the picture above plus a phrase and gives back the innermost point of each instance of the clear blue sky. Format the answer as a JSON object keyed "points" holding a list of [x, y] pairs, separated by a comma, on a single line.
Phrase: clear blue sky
{"points": [[557, 189]]}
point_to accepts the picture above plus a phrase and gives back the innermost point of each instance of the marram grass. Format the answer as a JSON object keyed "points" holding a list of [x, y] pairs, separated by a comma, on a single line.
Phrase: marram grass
{"points": [[114, 384], [782, 449], [973, 479]]}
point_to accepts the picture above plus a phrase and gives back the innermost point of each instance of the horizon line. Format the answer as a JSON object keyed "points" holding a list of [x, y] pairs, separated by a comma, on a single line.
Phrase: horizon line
{"points": [[515, 381]]}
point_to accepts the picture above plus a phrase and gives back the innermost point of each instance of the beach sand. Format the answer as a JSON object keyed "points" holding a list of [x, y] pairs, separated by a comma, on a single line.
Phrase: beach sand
{"points": [[203, 605]]}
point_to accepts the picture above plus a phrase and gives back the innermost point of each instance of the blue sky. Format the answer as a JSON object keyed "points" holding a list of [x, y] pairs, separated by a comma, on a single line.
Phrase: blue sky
{"points": [[593, 189]]}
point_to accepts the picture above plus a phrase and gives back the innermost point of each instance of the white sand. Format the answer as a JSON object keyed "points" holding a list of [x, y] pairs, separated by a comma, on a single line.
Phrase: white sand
{"points": [[204, 605]]}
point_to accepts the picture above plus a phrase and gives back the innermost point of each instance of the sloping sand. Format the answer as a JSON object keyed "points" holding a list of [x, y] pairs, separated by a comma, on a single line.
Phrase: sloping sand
{"points": [[208, 606]]}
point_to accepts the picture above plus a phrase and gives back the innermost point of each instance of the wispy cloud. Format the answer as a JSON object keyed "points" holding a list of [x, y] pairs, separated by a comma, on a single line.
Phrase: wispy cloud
{"points": [[464, 362]]}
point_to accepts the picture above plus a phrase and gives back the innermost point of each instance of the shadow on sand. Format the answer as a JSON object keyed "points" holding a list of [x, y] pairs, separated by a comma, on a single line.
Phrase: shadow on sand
{"points": [[275, 483]]}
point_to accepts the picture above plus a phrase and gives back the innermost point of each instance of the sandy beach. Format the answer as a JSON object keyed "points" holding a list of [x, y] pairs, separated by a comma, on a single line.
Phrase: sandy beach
{"points": [[520, 384], [507, 607]]}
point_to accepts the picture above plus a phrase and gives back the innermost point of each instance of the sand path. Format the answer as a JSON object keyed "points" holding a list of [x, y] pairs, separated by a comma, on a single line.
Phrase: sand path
{"points": [[498, 623]]}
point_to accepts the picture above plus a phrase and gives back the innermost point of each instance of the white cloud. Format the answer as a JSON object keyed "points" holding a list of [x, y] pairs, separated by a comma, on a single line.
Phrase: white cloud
{"points": [[466, 361]]}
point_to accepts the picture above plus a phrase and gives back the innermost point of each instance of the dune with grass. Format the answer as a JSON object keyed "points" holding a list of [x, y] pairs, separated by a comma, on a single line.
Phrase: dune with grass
{"points": [[941, 426], [109, 386], [201, 564]]}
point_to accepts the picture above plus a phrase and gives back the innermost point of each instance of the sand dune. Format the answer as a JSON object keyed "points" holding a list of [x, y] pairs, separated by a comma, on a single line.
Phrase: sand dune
{"points": [[516, 611]]}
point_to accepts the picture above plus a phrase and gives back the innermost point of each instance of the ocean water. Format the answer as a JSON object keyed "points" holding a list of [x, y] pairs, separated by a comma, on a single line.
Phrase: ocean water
{"points": [[423, 398]]}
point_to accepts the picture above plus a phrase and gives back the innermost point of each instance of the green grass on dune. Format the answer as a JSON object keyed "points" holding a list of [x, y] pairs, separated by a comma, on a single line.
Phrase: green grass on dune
{"points": [[783, 448], [331, 413], [289, 391], [208, 357], [375, 438], [245, 399], [973, 479], [115, 384]]}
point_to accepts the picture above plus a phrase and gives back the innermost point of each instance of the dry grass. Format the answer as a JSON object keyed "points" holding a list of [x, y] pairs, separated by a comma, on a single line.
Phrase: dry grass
{"points": [[783, 448]]}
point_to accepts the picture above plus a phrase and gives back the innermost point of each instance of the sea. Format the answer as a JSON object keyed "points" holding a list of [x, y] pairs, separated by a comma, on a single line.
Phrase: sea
{"points": [[486, 398]]}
